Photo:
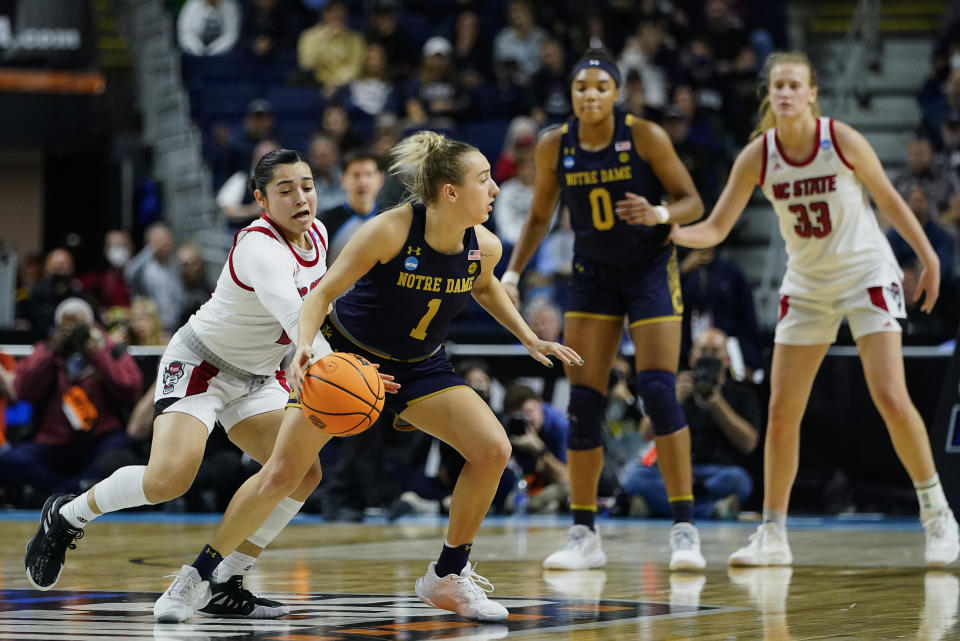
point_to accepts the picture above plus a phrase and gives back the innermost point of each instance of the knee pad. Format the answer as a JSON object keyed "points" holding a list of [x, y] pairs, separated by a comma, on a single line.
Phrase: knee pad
{"points": [[657, 389], [585, 412]]}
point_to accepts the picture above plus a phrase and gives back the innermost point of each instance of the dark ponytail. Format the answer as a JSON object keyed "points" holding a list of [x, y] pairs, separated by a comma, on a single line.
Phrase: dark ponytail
{"points": [[263, 173]]}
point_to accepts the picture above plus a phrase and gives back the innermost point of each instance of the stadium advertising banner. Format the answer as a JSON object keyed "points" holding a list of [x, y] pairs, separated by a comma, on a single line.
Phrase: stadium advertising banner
{"points": [[49, 34], [46, 46]]}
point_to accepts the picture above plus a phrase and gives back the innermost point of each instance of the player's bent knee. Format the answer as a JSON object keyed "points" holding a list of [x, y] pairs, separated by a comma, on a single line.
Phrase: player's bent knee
{"points": [[313, 477], [657, 389], [162, 487], [278, 481], [585, 412]]}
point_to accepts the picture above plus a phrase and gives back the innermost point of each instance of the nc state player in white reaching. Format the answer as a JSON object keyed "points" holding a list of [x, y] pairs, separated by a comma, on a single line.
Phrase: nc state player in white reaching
{"points": [[817, 172], [223, 365]]}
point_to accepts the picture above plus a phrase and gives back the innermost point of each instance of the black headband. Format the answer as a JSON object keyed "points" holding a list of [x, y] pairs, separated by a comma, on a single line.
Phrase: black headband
{"points": [[597, 63]]}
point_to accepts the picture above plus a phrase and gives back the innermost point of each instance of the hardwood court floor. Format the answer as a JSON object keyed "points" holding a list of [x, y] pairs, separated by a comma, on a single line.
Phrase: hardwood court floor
{"points": [[355, 581]]}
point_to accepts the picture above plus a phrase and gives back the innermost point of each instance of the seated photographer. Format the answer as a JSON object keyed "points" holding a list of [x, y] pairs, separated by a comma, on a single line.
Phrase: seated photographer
{"points": [[538, 433], [80, 383], [724, 416]]}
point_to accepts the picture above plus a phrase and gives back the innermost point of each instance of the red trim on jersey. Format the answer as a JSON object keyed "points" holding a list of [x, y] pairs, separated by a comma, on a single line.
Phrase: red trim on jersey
{"points": [[784, 307], [816, 148], [200, 378], [305, 263], [877, 299], [282, 379], [233, 273], [763, 163], [316, 230], [833, 137]]}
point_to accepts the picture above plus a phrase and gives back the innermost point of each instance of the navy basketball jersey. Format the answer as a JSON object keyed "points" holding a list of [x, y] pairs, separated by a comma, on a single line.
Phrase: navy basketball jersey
{"points": [[402, 309], [593, 181]]}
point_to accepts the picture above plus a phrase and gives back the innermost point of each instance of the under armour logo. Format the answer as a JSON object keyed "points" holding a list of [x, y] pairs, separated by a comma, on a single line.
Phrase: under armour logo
{"points": [[413, 251]]}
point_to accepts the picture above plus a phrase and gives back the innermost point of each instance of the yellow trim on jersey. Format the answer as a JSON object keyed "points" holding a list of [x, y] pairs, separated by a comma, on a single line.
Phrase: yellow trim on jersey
{"points": [[564, 128], [655, 319], [673, 282], [439, 391], [616, 317], [629, 120], [335, 325]]}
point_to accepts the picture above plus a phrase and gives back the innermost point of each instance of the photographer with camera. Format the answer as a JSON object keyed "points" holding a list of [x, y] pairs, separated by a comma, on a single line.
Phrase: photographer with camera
{"points": [[79, 383], [538, 433], [724, 416]]}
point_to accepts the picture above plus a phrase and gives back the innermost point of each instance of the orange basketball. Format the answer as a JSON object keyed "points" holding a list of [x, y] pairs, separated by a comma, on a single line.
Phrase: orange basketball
{"points": [[342, 394]]}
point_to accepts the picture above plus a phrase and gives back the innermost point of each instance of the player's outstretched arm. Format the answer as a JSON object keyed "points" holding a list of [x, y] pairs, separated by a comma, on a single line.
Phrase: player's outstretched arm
{"points": [[491, 295], [736, 194], [867, 168]]}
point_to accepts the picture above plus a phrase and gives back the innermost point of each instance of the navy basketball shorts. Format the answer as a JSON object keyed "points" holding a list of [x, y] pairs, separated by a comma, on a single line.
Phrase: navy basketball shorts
{"points": [[646, 293], [418, 379]]}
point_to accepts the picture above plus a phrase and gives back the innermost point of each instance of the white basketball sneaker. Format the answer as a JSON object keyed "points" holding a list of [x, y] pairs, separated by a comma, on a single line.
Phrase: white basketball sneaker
{"points": [[943, 541], [685, 548], [186, 595], [463, 593], [582, 551], [767, 546]]}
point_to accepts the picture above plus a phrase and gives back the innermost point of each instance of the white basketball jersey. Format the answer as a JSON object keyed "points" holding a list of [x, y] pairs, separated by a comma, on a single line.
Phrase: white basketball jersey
{"points": [[251, 319], [834, 244]]}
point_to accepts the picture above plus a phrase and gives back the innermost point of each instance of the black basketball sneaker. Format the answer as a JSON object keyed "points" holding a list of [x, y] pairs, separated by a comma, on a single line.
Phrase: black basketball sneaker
{"points": [[46, 551], [230, 598]]}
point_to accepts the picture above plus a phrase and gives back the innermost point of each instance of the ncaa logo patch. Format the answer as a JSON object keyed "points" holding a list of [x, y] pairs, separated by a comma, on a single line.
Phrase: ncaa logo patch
{"points": [[568, 162], [411, 263], [824, 144], [335, 617]]}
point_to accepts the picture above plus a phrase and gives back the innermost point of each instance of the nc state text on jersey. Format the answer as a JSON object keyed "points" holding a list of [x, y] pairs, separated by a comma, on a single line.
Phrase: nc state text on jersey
{"points": [[805, 187]]}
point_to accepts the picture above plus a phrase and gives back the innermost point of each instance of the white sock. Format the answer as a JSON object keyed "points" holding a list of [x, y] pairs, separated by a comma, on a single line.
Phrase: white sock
{"points": [[775, 516], [77, 512], [235, 563], [931, 497]]}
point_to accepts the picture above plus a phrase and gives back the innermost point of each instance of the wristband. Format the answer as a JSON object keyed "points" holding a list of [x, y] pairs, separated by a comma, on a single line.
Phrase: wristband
{"points": [[663, 214], [510, 277]]}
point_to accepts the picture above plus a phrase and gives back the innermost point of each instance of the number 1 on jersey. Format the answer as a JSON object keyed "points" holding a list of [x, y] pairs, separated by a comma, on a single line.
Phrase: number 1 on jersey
{"points": [[420, 331], [601, 208]]}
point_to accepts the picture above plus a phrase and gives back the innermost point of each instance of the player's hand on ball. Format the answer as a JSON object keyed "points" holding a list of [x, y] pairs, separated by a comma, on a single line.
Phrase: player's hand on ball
{"points": [[388, 385], [302, 359]]}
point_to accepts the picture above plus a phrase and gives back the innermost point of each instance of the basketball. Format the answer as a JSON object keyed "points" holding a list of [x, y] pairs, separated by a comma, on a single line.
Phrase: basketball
{"points": [[342, 394]]}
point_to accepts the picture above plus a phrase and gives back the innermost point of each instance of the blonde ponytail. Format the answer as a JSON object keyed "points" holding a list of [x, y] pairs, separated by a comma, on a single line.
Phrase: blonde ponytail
{"points": [[427, 160], [765, 116]]}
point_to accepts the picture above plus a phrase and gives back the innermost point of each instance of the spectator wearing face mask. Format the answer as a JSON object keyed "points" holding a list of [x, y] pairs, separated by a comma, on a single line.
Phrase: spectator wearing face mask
{"points": [[107, 286]]}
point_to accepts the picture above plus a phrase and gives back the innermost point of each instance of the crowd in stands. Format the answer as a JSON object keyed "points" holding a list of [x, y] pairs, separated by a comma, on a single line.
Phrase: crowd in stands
{"points": [[343, 82]]}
